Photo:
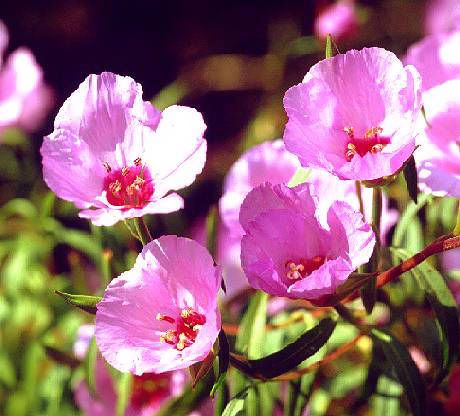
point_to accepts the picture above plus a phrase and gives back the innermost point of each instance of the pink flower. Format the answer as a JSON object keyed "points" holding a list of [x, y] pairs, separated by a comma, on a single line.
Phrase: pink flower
{"points": [[24, 97], [291, 249], [268, 161], [438, 157], [162, 314], [116, 157], [338, 19], [148, 391], [354, 115], [328, 188], [436, 58], [442, 16]]}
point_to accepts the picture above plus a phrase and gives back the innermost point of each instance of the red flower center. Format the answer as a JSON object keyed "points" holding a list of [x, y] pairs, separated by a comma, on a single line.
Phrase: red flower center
{"points": [[188, 325], [130, 186], [296, 271], [372, 142], [149, 388]]}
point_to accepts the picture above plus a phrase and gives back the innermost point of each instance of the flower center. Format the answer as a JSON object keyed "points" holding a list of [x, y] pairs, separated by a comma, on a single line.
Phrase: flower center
{"points": [[296, 271], [149, 388], [188, 324], [130, 186], [372, 142]]}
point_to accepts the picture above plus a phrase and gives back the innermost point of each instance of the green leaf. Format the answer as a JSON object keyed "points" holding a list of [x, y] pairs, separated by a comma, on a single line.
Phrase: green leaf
{"points": [[123, 393], [224, 359], [85, 302], [235, 407], [410, 175], [90, 366], [290, 356], [405, 368], [444, 307], [406, 219], [328, 52], [251, 337]]}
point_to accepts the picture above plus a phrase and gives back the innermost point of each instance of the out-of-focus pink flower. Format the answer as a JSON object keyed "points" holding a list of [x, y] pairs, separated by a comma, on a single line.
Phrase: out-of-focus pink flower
{"points": [[148, 392], [354, 114], [452, 405], [436, 58], [338, 19], [442, 16], [328, 188], [438, 157], [162, 314], [291, 249], [25, 99], [116, 157], [268, 161]]}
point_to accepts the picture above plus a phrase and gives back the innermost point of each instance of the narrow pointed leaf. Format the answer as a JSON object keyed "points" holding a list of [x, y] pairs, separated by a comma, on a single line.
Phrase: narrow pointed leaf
{"points": [[406, 370], [290, 356], [410, 175], [84, 302], [251, 337], [62, 357]]}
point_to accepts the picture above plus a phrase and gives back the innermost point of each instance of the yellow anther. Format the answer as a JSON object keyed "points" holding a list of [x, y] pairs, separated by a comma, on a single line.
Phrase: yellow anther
{"points": [[350, 131], [138, 161], [115, 187], [124, 171], [169, 336], [377, 148], [373, 132]]}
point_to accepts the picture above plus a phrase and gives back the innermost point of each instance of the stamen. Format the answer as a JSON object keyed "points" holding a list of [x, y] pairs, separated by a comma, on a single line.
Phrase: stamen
{"points": [[138, 161], [351, 151], [376, 148], [304, 268], [350, 131], [161, 317], [373, 132], [188, 324], [124, 171], [107, 167], [115, 187], [169, 336]]}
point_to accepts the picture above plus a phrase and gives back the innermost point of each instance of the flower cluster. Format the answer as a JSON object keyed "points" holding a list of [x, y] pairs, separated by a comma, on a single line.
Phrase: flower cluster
{"points": [[356, 117]]}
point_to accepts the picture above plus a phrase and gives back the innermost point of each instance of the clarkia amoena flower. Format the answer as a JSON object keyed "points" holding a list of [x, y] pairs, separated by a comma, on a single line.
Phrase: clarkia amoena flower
{"points": [[162, 314], [291, 248], [266, 162], [148, 391], [436, 58], [116, 157], [438, 158], [354, 114], [24, 97]]}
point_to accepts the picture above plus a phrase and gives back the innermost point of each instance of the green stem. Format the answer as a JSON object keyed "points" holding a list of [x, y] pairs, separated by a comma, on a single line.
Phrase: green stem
{"points": [[142, 231], [369, 290]]}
